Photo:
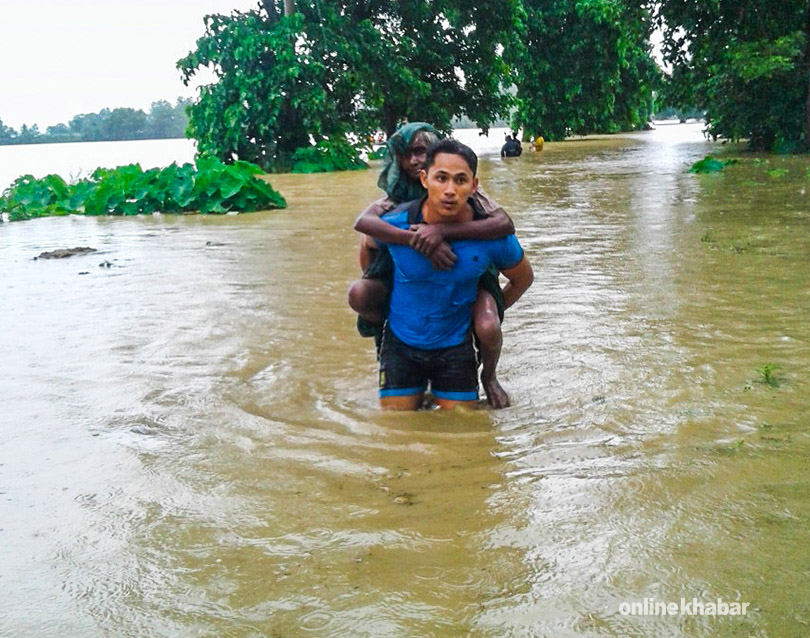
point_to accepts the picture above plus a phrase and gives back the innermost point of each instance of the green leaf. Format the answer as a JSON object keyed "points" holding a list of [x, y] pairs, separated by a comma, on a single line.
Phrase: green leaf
{"points": [[710, 164]]}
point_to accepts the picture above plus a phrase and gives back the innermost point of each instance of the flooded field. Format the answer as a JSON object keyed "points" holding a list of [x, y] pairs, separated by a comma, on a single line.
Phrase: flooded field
{"points": [[191, 444]]}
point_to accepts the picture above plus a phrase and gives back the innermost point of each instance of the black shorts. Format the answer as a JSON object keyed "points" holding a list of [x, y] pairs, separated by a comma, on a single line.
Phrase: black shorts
{"points": [[404, 371]]}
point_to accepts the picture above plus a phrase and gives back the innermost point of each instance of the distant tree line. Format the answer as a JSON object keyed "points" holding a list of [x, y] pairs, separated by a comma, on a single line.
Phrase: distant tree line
{"points": [[162, 121]]}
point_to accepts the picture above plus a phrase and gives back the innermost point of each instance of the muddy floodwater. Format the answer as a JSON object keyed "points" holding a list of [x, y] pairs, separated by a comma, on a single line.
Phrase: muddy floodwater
{"points": [[190, 443]]}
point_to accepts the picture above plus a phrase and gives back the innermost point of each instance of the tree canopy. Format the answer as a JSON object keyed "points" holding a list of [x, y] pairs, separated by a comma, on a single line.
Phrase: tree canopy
{"points": [[286, 81], [746, 63], [583, 66]]}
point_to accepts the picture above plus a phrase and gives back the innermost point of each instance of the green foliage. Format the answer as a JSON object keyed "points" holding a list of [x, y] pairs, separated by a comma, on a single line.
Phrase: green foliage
{"points": [[327, 156], [768, 374], [271, 90], [208, 187], [777, 172], [379, 153], [344, 67], [434, 61], [711, 164], [745, 62], [28, 197], [583, 66], [765, 59]]}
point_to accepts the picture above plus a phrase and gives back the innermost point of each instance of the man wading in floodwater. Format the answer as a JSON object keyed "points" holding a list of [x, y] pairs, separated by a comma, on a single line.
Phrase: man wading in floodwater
{"points": [[369, 296], [427, 338]]}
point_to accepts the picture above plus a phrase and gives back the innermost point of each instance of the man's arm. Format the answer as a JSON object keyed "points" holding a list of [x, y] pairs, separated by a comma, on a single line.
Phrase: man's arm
{"points": [[520, 278]]}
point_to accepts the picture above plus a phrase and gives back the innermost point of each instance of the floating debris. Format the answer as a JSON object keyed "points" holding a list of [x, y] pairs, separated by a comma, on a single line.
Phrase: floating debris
{"points": [[66, 252]]}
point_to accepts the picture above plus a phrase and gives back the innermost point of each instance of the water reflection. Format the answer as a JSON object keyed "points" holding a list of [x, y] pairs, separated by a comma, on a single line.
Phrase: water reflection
{"points": [[192, 445]]}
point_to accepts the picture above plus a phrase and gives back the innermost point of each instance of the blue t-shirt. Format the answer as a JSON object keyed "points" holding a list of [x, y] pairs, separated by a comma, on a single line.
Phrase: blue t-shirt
{"points": [[431, 308]]}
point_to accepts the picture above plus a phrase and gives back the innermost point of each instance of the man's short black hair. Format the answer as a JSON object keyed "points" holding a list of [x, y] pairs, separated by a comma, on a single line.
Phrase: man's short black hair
{"points": [[453, 147]]}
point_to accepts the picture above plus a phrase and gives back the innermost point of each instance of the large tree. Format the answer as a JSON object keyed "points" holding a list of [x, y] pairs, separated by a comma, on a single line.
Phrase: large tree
{"points": [[583, 66], [433, 61], [324, 69], [746, 62]]}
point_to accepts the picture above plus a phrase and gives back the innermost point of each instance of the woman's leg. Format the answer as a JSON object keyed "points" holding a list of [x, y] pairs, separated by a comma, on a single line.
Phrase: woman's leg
{"points": [[487, 327], [367, 298]]}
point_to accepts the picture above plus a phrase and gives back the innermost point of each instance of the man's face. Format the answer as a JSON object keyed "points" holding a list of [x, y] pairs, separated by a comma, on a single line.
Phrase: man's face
{"points": [[449, 182], [413, 159]]}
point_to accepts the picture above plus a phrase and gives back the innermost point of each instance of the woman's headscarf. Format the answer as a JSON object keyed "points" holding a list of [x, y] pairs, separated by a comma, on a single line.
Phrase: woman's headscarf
{"points": [[392, 180]]}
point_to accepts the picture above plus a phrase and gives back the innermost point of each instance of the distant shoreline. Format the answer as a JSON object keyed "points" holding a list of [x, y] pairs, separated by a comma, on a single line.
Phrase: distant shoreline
{"points": [[40, 140]]}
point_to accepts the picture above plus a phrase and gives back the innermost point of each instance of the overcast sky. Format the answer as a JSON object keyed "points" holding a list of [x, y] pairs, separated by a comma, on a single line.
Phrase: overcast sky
{"points": [[60, 58]]}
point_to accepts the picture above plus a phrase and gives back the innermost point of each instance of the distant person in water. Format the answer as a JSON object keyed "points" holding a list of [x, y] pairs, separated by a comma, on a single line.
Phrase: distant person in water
{"points": [[427, 340], [512, 148], [369, 297]]}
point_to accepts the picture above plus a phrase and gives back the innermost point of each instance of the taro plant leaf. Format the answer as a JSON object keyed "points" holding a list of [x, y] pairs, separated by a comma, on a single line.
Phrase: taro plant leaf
{"points": [[231, 184], [210, 187], [182, 190]]}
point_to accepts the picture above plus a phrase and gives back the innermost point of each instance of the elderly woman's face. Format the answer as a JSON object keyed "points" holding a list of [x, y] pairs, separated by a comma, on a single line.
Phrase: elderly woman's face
{"points": [[413, 159]]}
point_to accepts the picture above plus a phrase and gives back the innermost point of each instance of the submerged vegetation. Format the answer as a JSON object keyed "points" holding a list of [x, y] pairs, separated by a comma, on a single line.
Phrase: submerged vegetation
{"points": [[769, 374], [711, 164], [207, 187]]}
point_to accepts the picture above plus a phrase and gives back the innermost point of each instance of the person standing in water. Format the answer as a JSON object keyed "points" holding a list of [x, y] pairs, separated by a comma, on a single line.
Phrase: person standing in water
{"points": [[369, 296], [512, 147], [427, 340]]}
